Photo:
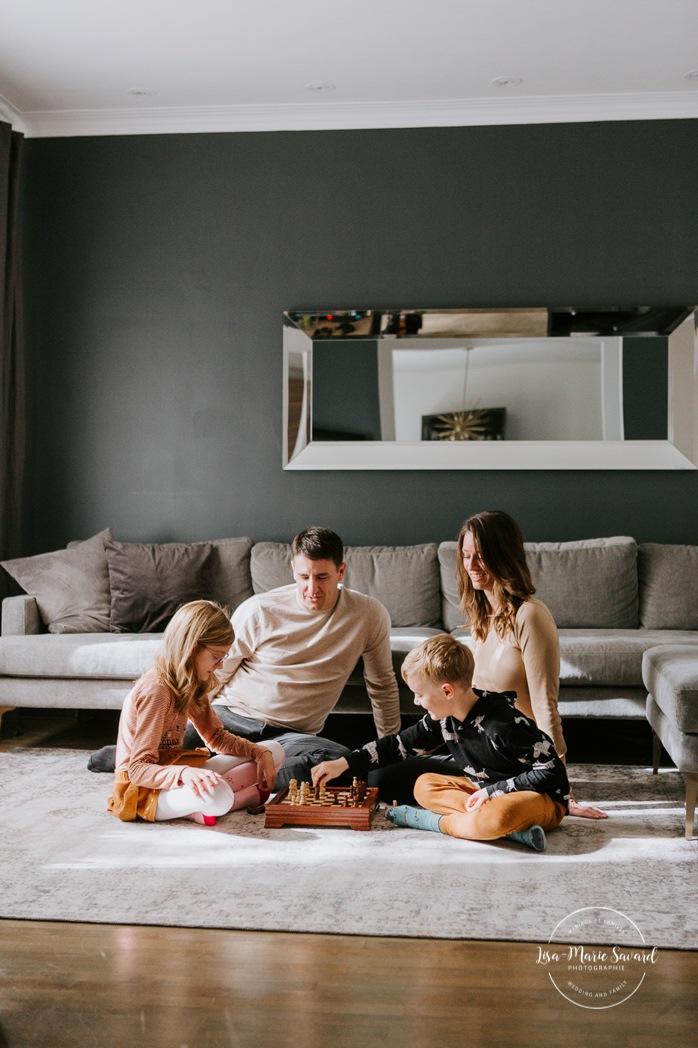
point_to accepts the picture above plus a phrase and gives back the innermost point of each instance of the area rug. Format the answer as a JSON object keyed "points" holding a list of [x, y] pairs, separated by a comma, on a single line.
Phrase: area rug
{"points": [[65, 858]]}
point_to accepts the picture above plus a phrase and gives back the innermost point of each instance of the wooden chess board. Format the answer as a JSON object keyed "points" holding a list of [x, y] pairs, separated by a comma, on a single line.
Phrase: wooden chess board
{"points": [[317, 812]]}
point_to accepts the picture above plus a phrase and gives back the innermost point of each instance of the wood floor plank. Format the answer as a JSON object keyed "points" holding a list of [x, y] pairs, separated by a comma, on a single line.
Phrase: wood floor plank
{"points": [[105, 986]]}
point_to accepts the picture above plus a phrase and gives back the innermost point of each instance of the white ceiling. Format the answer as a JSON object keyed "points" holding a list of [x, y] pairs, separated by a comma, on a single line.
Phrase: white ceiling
{"points": [[70, 67]]}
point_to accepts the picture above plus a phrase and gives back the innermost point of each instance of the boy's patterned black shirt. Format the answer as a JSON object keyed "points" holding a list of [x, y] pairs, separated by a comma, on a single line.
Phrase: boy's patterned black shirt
{"points": [[497, 747]]}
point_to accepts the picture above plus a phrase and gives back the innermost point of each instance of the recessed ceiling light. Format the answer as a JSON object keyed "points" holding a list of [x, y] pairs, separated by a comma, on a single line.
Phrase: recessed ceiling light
{"points": [[141, 92], [507, 81], [692, 74], [319, 88]]}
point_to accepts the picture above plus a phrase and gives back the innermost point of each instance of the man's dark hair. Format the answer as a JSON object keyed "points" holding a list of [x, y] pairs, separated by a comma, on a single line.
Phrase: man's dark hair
{"points": [[319, 544]]}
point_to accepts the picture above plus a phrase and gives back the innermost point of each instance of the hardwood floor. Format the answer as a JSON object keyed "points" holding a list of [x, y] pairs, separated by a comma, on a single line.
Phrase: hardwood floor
{"points": [[94, 986], [110, 986]]}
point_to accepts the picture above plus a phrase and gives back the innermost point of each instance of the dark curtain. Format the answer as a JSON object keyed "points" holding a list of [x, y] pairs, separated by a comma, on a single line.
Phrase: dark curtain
{"points": [[11, 350]]}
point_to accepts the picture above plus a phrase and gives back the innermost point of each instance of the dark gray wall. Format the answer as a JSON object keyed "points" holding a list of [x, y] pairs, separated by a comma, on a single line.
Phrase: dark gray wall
{"points": [[157, 269], [345, 390], [645, 388]]}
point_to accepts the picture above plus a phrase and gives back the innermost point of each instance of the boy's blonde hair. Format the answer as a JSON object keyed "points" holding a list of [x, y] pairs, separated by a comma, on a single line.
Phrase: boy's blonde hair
{"points": [[200, 623], [441, 660]]}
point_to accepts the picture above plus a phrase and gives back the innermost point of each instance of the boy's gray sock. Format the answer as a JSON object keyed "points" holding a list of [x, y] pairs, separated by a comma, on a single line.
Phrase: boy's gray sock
{"points": [[534, 837], [414, 818]]}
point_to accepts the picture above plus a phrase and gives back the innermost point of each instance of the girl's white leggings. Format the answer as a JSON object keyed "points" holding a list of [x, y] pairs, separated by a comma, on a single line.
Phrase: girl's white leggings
{"points": [[237, 788]]}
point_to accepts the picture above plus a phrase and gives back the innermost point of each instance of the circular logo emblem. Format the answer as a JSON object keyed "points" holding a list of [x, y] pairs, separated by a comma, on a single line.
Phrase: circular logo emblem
{"points": [[591, 975]]}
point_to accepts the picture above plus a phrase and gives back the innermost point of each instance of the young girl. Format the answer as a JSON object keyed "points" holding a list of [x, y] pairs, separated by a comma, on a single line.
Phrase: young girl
{"points": [[155, 778]]}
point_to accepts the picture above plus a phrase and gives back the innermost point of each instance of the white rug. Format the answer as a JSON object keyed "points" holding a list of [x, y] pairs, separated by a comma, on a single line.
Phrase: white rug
{"points": [[64, 858]]}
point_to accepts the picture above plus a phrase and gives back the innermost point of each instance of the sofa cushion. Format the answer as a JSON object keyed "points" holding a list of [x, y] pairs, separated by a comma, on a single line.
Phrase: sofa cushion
{"points": [[590, 702], [70, 586], [403, 578], [612, 657], [670, 673], [270, 565], [231, 581], [451, 614], [668, 586], [107, 655], [149, 582], [590, 583]]}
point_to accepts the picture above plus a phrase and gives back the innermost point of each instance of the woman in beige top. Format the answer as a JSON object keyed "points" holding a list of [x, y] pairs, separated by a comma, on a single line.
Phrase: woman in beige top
{"points": [[516, 643], [155, 778]]}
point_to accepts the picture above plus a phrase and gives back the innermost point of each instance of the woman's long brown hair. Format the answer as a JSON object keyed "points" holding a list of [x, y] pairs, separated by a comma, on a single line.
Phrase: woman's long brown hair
{"points": [[499, 542]]}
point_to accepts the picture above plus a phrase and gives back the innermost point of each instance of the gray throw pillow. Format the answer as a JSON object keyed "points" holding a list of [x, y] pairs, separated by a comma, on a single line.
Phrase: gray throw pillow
{"points": [[451, 613], [668, 586], [150, 581], [231, 582], [270, 564], [229, 569], [587, 583], [70, 586], [405, 579]]}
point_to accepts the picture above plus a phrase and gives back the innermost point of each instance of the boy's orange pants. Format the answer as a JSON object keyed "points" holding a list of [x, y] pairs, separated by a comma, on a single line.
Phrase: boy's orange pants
{"points": [[447, 795]]}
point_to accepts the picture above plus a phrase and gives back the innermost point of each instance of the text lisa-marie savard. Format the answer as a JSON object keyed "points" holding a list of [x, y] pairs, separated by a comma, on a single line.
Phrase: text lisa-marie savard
{"points": [[582, 955]]}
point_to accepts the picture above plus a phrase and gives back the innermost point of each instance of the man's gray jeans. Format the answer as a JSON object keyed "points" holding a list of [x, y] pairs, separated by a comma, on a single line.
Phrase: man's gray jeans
{"points": [[302, 751]]}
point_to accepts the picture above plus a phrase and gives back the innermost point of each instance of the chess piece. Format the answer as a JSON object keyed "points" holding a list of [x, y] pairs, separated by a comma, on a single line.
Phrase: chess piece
{"points": [[292, 795]]}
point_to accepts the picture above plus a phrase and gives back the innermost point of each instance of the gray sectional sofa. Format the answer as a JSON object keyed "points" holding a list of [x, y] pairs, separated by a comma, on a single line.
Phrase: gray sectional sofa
{"points": [[612, 600]]}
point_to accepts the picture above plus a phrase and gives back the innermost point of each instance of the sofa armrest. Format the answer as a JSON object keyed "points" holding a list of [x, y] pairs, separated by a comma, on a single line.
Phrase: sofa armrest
{"points": [[20, 616]]}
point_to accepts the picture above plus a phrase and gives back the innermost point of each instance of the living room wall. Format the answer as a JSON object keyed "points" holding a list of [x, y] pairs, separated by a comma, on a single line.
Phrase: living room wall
{"points": [[157, 268]]}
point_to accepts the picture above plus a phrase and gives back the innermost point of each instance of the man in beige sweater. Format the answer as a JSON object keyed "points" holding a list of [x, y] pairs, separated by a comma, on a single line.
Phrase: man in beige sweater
{"points": [[294, 650]]}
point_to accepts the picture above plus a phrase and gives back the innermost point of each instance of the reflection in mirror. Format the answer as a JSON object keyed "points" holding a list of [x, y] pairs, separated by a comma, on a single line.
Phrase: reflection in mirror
{"points": [[498, 389]]}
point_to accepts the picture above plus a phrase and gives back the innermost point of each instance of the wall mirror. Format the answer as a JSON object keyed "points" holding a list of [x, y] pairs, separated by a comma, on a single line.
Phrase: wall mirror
{"points": [[538, 388]]}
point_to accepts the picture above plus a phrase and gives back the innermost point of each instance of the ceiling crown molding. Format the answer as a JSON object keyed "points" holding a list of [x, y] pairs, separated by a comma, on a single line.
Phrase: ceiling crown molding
{"points": [[9, 115], [327, 116]]}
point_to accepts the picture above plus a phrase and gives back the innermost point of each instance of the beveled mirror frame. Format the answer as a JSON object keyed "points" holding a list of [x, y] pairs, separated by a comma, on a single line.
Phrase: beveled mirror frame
{"points": [[678, 451]]}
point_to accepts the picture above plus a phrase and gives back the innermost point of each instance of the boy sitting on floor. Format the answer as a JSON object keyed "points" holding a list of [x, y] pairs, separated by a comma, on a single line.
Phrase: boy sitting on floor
{"points": [[516, 785]]}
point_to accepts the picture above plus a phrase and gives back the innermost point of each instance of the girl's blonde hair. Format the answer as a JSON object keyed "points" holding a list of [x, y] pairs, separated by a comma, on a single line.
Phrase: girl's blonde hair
{"points": [[499, 542], [200, 623]]}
